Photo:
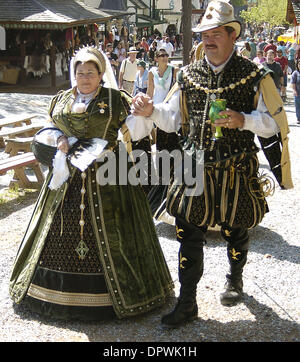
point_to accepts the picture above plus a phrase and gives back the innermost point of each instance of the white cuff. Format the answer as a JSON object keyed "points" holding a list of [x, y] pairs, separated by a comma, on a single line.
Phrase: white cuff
{"points": [[262, 124], [139, 127]]}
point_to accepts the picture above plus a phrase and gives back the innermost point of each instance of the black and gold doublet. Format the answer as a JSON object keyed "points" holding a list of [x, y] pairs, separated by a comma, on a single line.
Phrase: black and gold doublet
{"points": [[232, 192]]}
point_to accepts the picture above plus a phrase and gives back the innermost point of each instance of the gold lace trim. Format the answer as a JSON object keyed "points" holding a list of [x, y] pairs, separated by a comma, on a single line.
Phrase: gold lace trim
{"points": [[72, 299]]}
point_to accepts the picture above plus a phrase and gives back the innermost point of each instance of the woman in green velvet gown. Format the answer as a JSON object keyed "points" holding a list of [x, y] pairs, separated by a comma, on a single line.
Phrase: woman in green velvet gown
{"points": [[90, 251]]}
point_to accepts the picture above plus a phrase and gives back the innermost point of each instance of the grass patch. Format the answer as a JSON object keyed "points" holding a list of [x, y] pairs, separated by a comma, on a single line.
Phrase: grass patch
{"points": [[12, 193]]}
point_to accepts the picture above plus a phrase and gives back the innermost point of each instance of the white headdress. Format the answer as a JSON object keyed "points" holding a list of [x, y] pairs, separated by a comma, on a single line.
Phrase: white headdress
{"points": [[92, 54]]}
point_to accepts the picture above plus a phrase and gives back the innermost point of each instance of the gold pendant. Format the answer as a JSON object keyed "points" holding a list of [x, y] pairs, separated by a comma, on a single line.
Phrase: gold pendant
{"points": [[82, 249]]}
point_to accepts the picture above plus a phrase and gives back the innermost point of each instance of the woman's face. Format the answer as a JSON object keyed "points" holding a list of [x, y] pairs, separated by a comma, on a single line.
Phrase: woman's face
{"points": [[162, 58], [87, 77]]}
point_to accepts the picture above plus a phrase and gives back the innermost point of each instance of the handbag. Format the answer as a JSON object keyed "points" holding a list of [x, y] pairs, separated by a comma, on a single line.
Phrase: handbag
{"points": [[44, 145]]}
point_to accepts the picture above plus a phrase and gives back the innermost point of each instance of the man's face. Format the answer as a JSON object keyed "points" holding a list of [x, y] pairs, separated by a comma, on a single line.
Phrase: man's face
{"points": [[218, 44], [132, 57], [279, 54], [270, 57]]}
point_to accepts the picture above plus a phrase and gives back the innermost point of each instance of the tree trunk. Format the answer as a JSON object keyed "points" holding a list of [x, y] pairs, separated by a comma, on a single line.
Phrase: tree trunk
{"points": [[186, 29]]}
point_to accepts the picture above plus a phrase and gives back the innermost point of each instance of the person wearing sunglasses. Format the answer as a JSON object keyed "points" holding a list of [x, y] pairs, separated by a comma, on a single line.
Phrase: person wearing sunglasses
{"points": [[160, 80]]}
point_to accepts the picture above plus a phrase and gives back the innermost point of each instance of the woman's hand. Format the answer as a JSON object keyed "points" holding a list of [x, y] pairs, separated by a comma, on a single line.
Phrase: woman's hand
{"points": [[63, 144], [233, 120], [142, 105]]}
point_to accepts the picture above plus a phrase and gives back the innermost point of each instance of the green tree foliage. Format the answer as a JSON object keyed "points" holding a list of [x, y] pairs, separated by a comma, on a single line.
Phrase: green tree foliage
{"points": [[272, 12], [238, 2]]}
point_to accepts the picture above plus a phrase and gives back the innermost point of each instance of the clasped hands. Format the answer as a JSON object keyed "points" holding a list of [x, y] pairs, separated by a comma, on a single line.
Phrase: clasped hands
{"points": [[142, 105]]}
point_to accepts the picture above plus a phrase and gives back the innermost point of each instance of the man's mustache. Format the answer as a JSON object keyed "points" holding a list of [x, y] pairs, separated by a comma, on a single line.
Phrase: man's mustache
{"points": [[210, 46]]}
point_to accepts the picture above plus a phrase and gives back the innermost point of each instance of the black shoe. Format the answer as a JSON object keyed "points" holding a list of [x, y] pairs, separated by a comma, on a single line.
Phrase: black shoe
{"points": [[233, 293], [182, 314], [298, 121]]}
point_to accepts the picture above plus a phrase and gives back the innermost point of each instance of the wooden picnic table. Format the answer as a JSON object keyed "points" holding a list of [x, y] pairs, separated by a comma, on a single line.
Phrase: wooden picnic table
{"points": [[24, 131], [16, 145], [18, 163], [17, 141], [15, 121]]}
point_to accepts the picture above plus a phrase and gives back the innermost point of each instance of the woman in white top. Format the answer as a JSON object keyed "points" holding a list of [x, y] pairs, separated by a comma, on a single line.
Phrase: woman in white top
{"points": [[161, 78], [160, 81]]}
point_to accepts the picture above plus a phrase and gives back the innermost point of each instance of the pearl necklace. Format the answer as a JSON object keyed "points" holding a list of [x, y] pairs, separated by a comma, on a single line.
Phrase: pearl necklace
{"points": [[219, 89]]}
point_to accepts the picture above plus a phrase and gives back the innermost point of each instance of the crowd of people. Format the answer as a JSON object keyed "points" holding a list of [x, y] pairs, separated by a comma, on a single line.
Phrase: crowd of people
{"points": [[282, 59], [131, 63]]}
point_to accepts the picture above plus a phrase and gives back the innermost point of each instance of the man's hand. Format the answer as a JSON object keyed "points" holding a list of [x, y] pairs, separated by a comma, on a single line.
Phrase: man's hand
{"points": [[233, 120], [142, 105]]}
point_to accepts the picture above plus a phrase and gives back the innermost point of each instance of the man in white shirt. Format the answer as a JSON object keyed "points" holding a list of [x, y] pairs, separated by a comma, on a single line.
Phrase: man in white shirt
{"points": [[160, 42], [232, 193], [128, 71], [168, 46]]}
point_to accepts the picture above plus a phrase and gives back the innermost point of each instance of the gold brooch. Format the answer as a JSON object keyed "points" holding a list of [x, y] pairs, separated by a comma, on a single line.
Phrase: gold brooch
{"points": [[102, 106]]}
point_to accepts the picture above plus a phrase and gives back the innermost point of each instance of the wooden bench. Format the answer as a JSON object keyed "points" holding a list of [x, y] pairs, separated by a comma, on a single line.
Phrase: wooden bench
{"points": [[15, 121], [18, 164], [17, 145]]}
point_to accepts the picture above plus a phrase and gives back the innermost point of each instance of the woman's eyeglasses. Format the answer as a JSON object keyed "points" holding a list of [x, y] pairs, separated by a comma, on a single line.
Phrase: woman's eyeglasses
{"points": [[163, 55]]}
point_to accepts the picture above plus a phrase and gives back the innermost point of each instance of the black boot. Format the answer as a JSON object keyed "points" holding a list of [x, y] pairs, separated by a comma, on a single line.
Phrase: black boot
{"points": [[183, 313], [190, 271], [237, 255], [234, 284]]}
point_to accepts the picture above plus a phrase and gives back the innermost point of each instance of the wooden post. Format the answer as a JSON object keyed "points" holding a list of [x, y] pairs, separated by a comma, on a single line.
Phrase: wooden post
{"points": [[23, 71], [52, 66], [186, 29]]}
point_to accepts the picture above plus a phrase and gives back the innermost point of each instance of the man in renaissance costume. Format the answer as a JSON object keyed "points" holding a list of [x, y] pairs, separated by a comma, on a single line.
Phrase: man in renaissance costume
{"points": [[234, 193]]}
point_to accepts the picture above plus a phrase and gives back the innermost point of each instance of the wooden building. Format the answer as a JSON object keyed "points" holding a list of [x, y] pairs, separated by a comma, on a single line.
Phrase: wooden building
{"points": [[293, 16], [54, 25]]}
